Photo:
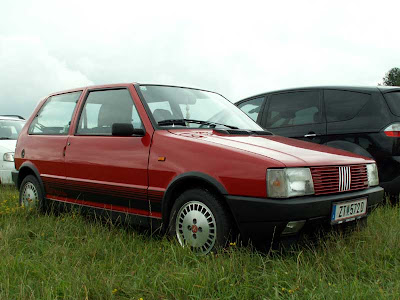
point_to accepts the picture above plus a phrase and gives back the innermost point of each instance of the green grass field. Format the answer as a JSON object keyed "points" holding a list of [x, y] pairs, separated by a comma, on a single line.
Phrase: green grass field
{"points": [[71, 257]]}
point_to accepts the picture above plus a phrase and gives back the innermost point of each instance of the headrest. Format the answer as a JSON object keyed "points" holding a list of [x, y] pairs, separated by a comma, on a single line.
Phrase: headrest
{"points": [[5, 132], [162, 114]]}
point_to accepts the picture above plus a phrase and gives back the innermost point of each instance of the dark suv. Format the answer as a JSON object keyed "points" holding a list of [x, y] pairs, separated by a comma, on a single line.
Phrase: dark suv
{"points": [[362, 120]]}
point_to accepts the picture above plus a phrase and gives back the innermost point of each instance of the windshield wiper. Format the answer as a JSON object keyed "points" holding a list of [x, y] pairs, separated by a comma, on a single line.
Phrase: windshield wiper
{"points": [[183, 122], [5, 138]]}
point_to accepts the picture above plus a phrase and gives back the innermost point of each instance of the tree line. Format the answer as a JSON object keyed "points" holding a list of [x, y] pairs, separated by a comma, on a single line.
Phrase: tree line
{"points": [[392, 77]]}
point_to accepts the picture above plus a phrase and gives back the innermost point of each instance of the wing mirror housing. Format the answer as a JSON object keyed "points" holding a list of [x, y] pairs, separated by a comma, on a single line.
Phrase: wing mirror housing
{"points": [[126, 129]]}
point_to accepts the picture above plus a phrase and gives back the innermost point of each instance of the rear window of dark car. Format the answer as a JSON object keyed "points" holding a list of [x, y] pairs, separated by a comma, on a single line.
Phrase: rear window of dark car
{"points": [[343, 105], [393, 100]]}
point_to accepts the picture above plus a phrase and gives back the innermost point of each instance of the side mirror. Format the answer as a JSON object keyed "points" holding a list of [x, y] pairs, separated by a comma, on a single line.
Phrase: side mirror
{"points": [[126, 129]]}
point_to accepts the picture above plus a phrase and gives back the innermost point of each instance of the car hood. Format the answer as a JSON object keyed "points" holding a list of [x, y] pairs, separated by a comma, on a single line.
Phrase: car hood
{"points": [[288, 151], [7, 146]]}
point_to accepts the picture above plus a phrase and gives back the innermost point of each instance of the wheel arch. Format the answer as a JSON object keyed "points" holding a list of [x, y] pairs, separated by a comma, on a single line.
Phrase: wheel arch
{"points": [[186, 181], [349, 146], [28, 168]]}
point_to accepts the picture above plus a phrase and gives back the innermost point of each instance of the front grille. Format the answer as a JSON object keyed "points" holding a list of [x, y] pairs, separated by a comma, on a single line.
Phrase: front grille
{"points": [[336, 179]]}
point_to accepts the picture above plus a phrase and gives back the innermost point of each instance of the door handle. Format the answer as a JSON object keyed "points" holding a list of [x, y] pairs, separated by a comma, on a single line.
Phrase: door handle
{"points": [[310, 135]]}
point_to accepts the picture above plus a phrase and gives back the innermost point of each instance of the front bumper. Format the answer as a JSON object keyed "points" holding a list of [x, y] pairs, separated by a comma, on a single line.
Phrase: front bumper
{"points": [[389, 174], [14, 175], [5, 177], [261, 219]]}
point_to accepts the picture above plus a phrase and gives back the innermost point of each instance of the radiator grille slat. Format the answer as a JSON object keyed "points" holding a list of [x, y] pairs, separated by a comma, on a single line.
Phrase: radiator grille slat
{"points": [[337, 179]]}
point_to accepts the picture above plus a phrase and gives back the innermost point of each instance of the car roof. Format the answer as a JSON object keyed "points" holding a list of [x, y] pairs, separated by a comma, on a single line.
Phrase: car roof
{"points": [[387, 89], [101, 86], [116, 85], [366, 89]]}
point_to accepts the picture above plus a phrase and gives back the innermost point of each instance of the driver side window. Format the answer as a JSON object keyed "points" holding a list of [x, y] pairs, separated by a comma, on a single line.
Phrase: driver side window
{"points": [[252, 107], [104, 108]]}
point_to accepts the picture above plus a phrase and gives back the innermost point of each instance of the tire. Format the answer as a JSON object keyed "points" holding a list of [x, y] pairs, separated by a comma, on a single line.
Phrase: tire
{"points": [[200, 221], [30, 194], [394, 198]]}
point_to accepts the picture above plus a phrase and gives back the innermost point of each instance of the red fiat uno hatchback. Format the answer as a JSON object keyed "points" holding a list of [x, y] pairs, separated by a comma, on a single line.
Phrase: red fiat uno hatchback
{"points": [[187, 160]]}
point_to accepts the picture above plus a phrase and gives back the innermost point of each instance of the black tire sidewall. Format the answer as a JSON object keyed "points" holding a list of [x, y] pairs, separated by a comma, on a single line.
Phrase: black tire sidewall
{"points": [[221, 216]]}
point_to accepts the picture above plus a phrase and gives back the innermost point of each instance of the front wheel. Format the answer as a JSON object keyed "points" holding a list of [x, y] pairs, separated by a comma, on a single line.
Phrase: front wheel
{"points": [[30, 195], [200, 221]]}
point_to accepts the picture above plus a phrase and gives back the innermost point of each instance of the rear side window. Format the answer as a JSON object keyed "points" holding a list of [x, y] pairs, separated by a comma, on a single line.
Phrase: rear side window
{"points": [[298, 108], [54, 118], [252, 107], [104, 108], [393, 100], [343, 105]]}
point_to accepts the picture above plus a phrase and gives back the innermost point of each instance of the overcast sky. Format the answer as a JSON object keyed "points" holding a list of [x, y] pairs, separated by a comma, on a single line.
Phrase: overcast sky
{"points": [[237, 48]]}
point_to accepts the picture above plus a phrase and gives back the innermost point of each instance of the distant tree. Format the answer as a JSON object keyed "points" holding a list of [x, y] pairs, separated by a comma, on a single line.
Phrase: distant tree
{"points": [[392, 77]]}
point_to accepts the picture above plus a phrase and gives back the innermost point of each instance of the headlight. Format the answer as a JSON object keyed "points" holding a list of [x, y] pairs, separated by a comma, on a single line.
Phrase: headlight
{"points": [[373, 178], [290, 182], [9, 156]]}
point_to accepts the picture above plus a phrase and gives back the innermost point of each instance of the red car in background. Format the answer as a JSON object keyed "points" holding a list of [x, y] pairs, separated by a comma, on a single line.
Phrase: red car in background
{"points": [[188, 161]]}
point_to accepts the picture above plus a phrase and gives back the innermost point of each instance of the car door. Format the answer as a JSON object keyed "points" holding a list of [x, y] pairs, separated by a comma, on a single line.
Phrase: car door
{"points": [[47, 139], [106, 171], [352, 119], [296, 114]]}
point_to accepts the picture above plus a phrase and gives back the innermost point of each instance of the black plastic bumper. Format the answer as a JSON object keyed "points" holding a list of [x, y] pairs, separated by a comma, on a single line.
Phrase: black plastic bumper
{"points": [[263, 218], [389, 174], [14, 175], [393, 186]]}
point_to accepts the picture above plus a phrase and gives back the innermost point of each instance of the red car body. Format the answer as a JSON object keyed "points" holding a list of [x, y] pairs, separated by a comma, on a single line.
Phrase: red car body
{"points": [[142, 176]]}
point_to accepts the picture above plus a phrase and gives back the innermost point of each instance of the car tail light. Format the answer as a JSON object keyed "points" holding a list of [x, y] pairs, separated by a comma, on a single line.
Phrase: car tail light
{"points": [[393, 130]]}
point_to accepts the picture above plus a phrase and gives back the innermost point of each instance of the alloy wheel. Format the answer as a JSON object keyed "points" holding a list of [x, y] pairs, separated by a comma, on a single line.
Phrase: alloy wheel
{"points": [[30, 196], [196, 227]]}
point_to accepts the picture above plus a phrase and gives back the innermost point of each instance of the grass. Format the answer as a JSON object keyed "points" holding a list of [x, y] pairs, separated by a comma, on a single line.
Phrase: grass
{"points": [[71, 257]]}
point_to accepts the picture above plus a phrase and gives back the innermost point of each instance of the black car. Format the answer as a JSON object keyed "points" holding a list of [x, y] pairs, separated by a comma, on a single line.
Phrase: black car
{"points": [[362, 120]]}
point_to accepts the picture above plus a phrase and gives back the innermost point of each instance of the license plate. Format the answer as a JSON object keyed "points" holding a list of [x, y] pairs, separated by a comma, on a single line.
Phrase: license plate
{"points": [[348, 210]]}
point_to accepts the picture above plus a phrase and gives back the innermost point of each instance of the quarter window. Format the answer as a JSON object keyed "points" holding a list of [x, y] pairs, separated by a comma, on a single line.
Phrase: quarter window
{"points": [[104, 108], [343, 105], [54, 118], [252, 107], [297, 108], [393, 99]]}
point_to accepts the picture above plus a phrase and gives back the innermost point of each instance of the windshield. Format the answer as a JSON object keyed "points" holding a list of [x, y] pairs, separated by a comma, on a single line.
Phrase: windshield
{"points": [[10, 129], [190, 108]]}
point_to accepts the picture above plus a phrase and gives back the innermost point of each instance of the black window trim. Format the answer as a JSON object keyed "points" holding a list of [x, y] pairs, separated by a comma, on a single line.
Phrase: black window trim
{"points": [[44, 104], [82, 105]]}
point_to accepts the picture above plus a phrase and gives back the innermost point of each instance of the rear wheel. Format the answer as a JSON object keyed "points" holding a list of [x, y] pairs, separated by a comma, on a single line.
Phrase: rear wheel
{"points": [[30, 195], [394, 198], [199, 221]]}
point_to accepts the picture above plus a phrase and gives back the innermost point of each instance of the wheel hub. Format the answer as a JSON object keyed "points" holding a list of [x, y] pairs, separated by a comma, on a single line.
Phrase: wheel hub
{"points": [[196, 227], [29, 195]]}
